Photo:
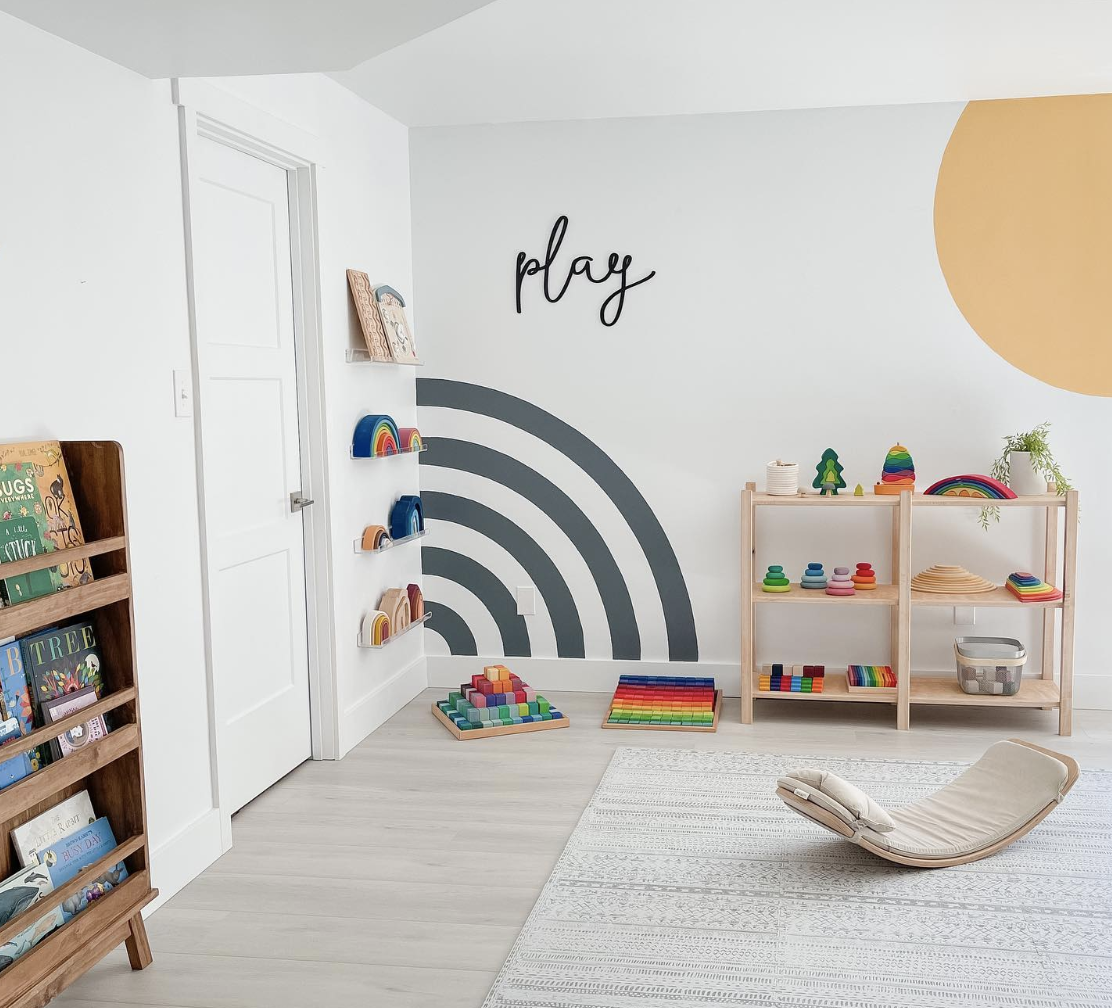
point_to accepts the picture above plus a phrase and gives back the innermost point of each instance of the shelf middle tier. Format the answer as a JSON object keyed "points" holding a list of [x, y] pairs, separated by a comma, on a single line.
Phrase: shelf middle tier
{"points": [[888, 595], [883, 594]]}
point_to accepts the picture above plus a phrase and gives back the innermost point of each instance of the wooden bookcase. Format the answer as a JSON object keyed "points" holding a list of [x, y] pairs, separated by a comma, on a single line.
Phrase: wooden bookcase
{"points": [[111, 768], [918, 689]]}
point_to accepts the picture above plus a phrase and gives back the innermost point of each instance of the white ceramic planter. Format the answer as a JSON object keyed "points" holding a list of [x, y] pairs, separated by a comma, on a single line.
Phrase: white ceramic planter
{"points": [[1023, 479]]}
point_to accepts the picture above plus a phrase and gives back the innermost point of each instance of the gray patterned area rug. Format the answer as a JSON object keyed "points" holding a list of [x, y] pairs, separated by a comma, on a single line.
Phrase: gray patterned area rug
{"points": [[687, 884]]}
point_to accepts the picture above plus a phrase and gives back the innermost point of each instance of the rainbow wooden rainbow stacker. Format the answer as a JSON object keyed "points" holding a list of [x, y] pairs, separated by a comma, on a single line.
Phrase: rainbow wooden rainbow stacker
{"points": [[496, 703], [665, 703], [1028, 588]]}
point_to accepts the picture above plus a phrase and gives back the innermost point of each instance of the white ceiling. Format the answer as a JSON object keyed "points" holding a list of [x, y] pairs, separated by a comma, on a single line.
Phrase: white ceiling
{"points": [[440, 62], [570, 59], [218, 38]]}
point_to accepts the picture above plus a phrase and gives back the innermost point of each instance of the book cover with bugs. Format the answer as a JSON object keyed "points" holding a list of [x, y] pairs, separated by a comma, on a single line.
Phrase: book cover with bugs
{"points": [[38, 515]]}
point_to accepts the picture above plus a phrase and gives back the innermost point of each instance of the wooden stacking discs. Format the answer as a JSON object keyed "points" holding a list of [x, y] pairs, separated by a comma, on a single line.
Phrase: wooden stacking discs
{"points": [[949, 579]]}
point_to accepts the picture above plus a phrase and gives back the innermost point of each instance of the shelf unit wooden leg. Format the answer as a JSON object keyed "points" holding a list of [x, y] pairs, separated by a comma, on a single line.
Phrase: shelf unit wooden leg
{"points": [[903, 613], [138, 948], [1069, 582], [1050, 576], [747, 643]]}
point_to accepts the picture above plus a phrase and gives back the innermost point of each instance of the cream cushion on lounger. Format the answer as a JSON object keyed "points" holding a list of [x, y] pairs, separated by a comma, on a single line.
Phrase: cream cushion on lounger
{"points": [[996, 797], [838, 795]]}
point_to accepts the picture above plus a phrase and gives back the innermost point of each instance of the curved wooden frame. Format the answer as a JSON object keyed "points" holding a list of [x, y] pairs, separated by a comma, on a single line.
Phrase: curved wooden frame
{"points": [[835, 825]]}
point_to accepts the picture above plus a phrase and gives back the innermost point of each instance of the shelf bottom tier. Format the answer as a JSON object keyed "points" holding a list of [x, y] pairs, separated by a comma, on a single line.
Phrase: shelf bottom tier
{"points": [[927, 689], [943, 690], [834, 688], [39, 975]]}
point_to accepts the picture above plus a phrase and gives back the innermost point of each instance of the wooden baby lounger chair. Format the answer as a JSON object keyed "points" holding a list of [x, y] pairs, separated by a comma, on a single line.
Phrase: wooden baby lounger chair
{"points": [[1004, 795]]}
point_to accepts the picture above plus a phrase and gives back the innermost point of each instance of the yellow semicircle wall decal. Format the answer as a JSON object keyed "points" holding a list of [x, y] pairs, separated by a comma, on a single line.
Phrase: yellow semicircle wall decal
{"points": [[1023, 226]]}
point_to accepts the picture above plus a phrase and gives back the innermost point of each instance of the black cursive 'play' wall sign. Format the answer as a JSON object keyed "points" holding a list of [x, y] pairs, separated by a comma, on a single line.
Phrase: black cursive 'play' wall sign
{"points": [[616, 266]]}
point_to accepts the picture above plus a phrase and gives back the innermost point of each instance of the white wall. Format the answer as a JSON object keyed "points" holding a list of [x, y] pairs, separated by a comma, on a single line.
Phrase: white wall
{"points": [[92, 283], [94, 321], [798, 304]]}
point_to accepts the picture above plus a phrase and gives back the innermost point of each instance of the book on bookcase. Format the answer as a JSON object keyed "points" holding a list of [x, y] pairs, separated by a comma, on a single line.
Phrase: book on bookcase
{"points": [[38, 514], [62, 662]]}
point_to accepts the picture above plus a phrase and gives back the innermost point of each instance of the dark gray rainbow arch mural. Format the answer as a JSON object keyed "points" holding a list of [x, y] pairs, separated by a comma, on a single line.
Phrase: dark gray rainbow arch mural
{"points": [[482, 460]]}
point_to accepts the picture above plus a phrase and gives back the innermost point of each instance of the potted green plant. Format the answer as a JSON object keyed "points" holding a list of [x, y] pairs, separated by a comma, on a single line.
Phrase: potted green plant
{"points": [[1026, 465]]}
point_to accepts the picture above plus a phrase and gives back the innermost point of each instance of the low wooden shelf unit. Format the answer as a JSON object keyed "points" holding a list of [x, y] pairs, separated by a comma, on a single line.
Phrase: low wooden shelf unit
{"points": [[914, 688]]}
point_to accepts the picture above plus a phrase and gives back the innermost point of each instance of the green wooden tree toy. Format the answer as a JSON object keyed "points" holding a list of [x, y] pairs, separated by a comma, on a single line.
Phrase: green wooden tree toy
{"points": [[829, 471]]}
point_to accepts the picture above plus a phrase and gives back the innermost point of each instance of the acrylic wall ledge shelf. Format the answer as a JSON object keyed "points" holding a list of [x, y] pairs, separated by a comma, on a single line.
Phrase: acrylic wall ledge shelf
{"points": [[353, 355], [358, 544], [393, 637], [372, 458]]}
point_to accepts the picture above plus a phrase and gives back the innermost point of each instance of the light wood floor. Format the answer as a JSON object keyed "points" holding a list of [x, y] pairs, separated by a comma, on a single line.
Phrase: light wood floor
{"points": [[400, 875]]}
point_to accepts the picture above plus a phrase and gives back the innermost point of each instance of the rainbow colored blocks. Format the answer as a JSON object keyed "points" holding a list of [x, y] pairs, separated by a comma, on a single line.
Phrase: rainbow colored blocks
{"points": [[685, 703], [870, 677], [779, 678], [1028, 588], [496, 702]]}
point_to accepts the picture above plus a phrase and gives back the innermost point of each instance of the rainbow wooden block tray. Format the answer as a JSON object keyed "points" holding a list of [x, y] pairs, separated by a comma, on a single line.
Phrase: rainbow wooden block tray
{"points": [[660, 702]]}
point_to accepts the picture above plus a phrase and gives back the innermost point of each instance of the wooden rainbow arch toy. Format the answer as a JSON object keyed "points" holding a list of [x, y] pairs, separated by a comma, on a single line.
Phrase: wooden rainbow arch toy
{"points": [[971, 485], [376, 628], [410, 439], [375, 435]]}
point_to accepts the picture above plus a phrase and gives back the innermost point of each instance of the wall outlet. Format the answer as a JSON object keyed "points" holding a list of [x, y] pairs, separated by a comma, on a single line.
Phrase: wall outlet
{"points": [[965, 615], [526, 600], [183, 394]]}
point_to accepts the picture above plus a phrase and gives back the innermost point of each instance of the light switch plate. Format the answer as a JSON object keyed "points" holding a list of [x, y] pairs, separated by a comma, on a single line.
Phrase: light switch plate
{"points": [[965, 615], [183, 394], [526, 600]]}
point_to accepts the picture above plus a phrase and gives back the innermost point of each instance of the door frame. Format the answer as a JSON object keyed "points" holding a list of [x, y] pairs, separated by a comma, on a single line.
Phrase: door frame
{"points": [[209, 113]]}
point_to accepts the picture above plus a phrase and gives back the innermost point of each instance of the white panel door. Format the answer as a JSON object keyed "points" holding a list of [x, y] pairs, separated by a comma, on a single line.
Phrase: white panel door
{"points": [[251, 463]]}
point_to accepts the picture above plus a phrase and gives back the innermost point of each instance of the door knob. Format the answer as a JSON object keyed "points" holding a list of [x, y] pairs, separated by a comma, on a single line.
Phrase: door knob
{"points": [[299, 503]]}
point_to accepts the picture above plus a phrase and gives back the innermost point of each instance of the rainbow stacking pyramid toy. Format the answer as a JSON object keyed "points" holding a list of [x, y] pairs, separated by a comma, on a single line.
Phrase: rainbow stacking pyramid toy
{"points": [[496, 703], [899, 472], [685, 703], [1028, 588]]}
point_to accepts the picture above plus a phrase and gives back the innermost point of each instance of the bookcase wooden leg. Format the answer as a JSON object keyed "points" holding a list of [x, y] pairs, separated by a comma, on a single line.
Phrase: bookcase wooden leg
{"points": [[138, 948]]}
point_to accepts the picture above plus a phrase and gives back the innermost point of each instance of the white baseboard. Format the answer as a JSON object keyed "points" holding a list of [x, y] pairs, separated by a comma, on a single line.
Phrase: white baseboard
{"points": [[578, 675], [590, 675], [178, 861], [368, 712], [1092, 692]]}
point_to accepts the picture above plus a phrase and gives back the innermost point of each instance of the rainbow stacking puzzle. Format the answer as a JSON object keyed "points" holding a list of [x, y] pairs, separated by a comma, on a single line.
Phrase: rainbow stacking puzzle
{"points": [[496, 703], [1028, 588], [871, 678], [778, 678], [666, 703], [898, 472]]}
